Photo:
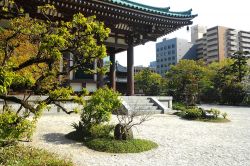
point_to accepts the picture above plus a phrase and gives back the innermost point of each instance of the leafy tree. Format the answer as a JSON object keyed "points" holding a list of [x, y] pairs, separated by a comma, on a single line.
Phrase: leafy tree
{"points": [[240, 66], [186, 80], [98, 110], [32, 51], [149, 82]]}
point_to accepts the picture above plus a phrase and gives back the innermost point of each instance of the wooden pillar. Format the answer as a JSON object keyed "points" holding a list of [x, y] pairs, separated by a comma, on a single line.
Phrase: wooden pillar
{"points": [[130, 69], [112, 71], [100, 76]]}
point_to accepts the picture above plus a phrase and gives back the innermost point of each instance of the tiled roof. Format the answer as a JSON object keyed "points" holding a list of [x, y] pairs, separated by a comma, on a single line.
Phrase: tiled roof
{"points": [[151, 9]]}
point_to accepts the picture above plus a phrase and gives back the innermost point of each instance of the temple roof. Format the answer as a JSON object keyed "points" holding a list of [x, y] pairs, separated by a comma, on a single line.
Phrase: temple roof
{"points": [[157, 10]]}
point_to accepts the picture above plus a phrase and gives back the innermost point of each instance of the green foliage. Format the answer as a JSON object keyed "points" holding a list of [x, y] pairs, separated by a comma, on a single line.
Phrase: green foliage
{"points": [[115, 146], [186, 80], [240, 68], [233, 94], [150, 83], [192, 113], [224, 115], [200, 114], [23, 156], [14, 127], [215, 113], [101, 131], [179, 106], [99, 109]]}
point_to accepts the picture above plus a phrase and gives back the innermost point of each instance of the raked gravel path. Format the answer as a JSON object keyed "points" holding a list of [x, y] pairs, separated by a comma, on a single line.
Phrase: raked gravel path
{"points": [[181, 142]]}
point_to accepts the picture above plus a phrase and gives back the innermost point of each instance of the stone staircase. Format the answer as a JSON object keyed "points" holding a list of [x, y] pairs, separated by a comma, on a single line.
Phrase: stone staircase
{"points": [[141, 105]]}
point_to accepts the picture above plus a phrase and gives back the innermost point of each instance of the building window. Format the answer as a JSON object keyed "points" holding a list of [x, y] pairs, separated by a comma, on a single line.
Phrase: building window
{"points": [[165, 48], [165, 59], [173, 63], [158, 66], [169, 52], [173, 58], [169, 58], [173, 51], [158, 50], [161, 60], [161, 65], [161, 48], [173, 45], [169, 47]]}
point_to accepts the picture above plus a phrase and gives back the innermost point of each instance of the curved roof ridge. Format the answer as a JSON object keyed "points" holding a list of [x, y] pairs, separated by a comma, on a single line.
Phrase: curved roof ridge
{"points": [[158, 10]]}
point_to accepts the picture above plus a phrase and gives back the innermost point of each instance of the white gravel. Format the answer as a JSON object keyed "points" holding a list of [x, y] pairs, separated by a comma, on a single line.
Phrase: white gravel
{"points": [[181, 142]]}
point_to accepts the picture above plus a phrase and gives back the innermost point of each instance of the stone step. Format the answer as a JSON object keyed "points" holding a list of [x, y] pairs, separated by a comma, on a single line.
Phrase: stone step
{"points": [[143, 112], [140, 104], [144, 107]]}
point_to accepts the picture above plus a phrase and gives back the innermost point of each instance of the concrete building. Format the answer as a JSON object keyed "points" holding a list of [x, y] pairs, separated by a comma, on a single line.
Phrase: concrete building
{"points": [[153, 64], [170, 51], [197, 32], [221, 42]]}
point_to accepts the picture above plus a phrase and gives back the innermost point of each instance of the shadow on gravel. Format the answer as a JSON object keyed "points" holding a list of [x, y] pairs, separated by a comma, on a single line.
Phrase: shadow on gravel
{"points": [[59, 139]]}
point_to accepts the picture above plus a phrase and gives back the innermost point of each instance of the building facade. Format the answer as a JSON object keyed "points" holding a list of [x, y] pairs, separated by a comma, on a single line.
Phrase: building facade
{"points": [[221, 42], [170, 51], [197, 32]]}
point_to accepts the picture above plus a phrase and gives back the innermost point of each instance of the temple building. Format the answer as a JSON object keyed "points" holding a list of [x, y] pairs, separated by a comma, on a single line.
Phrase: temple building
{"points": [[131, 24]]}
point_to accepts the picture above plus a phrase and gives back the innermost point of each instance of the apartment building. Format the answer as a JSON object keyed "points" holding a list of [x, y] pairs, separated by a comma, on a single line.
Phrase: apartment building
{"points": [[221, 42], [197, 32], [170, 51]]}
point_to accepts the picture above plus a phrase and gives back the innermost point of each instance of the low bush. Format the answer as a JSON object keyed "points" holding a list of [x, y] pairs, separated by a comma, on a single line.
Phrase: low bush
{"points": [[101, 131], [117, 146], [19, 155], [215, 113], [193, 113], [98, 110], [179, 106], [13, 127]]}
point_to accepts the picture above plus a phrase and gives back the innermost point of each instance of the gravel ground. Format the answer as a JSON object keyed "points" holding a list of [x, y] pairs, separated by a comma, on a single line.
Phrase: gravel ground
{"points": [[180, 142]]}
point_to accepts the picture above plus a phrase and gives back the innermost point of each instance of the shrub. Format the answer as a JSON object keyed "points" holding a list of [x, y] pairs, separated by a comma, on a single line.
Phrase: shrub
{"points": [[179, 106], [210, 95], [233, 94], [98, 109], [117, 146], [215, 113], [224, 115], [101, 131], [20, 155], [13, 127], [193, 113]]}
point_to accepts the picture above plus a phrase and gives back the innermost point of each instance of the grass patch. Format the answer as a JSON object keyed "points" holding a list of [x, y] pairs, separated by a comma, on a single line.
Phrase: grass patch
{"points": [[19, 155], [111, 145], [115, 146], [218, 120]]}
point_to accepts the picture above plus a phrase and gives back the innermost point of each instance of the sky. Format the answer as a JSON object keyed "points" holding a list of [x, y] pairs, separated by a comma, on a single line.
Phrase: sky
{"points": [[228, 13]]}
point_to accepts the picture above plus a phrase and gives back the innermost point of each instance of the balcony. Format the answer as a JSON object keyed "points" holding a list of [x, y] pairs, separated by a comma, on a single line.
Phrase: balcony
{"points": [[212, 32], [212, 37], [212, 48], [232, 32], [212, 43], [247, 40], [245, 45], [232, 43], [245, 34], [231, 37]]}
